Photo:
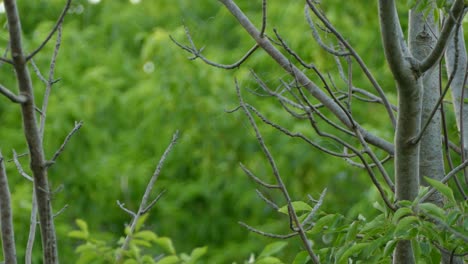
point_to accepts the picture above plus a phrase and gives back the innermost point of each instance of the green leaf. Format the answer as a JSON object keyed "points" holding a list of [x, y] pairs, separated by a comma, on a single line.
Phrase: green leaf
{"points": [[352, 231], [400, 213], [354, 249], [433, 210], [298, 207], [321, 223], [442, 188], [404, 226], [273, 248], [301, 258], [78, 234], [389, 247], [131, 261], [148, 259], [82, 225], [198, 253], [269, 260], [169, 260], [140, 222], [85, 247], [184, 257], [146, 235], [166, 244], [127, 230], [139, 242]]}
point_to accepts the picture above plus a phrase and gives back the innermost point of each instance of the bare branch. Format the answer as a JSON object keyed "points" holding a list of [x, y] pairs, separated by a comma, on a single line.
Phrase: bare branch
{"points": [[257, 180], [62, 147], [316, 207], [144, 207], [317, 38], [290, 51], [455, 17], [122, 206], [38, 72], [6, 217], [20, 99], [20, 168], [358, 59], [252, 229], [50, 81], [197, 53], [279, 180], [59, 212], [153, 202], [297, 134], [264, 18], [51, 33], [282, 61], [32, 229], [268, 201], [3, 59], [34, 141]]}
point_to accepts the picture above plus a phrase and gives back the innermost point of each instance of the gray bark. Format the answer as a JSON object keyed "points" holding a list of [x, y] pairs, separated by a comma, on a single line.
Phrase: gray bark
{"points": [[6, 217], [423, 34], [31, 131], [409, 87]]}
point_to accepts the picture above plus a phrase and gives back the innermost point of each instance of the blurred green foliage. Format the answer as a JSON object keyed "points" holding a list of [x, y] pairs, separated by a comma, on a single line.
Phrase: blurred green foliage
{"points": [[133, 87]]}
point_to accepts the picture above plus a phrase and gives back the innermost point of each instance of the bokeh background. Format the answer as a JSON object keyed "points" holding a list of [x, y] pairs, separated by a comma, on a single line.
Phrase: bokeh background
{"points": [[133, 88]]}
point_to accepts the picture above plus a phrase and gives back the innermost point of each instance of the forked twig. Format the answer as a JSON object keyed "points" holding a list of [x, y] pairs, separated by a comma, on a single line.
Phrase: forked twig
{"points": [[144, 206]]}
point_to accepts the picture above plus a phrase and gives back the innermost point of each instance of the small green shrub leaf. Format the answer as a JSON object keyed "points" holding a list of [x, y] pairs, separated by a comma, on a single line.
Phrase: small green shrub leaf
{"points": [[82, 225], [400, 213], [404, 226], [146, 235], [272, 248], [299, 206], [442, 188], [321, 223], [169, 260], [301, 258], [198, 253], [78, 234], [354, 249], [433, 210], [268, 260], [166, 244]]}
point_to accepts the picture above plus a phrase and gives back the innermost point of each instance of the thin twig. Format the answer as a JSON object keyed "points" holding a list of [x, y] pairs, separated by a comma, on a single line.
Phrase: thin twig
{"points": [[358, 59], [264, 18], [445, 179], [317, 206], [65, 142], [279, 180], [51, 33], [252, 229], [32, 229], [144, 207], [125, 209], [50, 81], [197, 53], [268, 201], [257, 180], [20, 168]]}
